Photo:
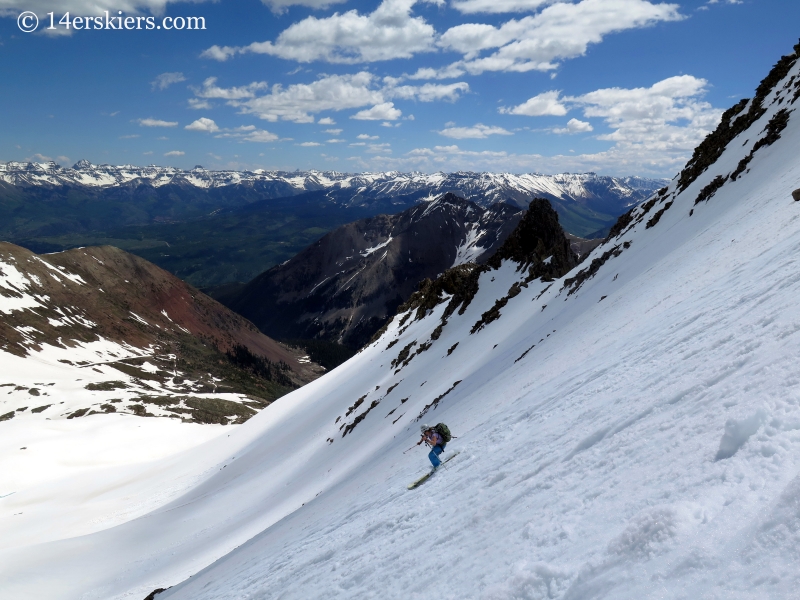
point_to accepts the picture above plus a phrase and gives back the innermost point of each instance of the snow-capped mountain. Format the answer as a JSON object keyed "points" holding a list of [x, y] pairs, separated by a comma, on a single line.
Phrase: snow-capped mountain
{"points": [[100, 331], [589, 199], [628, 430], [345, 286]]}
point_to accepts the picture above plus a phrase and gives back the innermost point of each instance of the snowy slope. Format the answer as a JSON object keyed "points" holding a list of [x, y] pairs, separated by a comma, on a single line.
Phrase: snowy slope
{"points": [[629, 431]]}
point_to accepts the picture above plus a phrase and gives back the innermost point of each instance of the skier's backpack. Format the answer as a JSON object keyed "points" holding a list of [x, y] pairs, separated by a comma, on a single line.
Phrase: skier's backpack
{"points": [[443, 431]]}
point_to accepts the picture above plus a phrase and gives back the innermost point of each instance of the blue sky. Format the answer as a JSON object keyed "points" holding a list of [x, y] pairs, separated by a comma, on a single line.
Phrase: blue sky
{"points": [[620, 87]]}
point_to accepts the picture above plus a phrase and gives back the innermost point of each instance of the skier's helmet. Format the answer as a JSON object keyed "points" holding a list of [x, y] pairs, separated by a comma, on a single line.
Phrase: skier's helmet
{"points": [[423, 428]]}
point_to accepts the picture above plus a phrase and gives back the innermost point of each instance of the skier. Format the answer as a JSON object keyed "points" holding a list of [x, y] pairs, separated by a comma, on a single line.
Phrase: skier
{"points": [[432, 437]]}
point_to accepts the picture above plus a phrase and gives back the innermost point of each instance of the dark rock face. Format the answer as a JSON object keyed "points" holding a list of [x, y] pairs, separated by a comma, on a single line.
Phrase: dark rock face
{"points": [[734, 121], [344, 287], [537, 244]]}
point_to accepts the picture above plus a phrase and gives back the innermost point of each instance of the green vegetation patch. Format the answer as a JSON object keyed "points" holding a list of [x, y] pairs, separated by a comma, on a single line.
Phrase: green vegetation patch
{"points": [[106, 386], [215, 410]]}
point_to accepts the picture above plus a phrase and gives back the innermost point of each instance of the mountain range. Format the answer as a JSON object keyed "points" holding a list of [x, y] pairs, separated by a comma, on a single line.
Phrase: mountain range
{"points": [[146, 210]]}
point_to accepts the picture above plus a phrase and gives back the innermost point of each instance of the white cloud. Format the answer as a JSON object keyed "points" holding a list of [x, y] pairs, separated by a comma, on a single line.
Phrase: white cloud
{"points": [[651, 130], [280, 6], [203, 124], [561, 31], [575, 126], [379, 149], [38, 158], [389, 32], [385, 111], [129, 137], [150, 122], [430, 92], [148, 153], [498, 6], [175, 153], [310, 144], [248, 133], [364, 136], [334, 131], [479, 131], [210, 89], [547, 103], [260, 135], [165, 80], [335, 141], [200, 104], [298, 101]]}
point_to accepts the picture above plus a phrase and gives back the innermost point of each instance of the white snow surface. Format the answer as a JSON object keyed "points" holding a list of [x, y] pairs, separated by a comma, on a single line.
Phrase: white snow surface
{"points": [[647, 445]]}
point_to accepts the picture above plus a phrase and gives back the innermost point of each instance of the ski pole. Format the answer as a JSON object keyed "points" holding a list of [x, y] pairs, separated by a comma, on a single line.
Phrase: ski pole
{"points": [[412, 447]]}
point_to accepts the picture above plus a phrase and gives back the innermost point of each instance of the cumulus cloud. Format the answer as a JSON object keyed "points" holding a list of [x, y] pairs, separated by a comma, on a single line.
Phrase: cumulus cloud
{"points": [[150, 122], [651, 130], [210, 89], [653, 127], [260, 135], [547, 103], [300, 101], [539, 42], [280, 6], [248, 133], [387, 33], [498, 6], [310, 144], [175, 153], [668, 118], [385, 111], [165, 80], [574, 126], [334, 131], [364, 136], [203, 124], [379, 148], [200, 104], [478, 131], [430, 92]]}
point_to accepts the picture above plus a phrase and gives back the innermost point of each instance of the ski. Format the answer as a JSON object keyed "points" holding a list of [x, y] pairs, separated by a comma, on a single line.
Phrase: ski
{"points": [[429, 474]]}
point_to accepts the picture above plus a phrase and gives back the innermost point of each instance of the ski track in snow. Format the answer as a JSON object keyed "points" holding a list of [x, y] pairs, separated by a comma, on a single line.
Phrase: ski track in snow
{"points": [[646, 447]]}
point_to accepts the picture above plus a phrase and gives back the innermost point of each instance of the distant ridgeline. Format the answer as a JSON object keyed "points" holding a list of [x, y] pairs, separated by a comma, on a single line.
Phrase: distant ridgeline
{"points": [[216, 227]]}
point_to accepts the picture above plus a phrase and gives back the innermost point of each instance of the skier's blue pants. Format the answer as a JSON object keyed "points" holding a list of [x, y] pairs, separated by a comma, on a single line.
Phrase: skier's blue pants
{"points": [[434, 454]]}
